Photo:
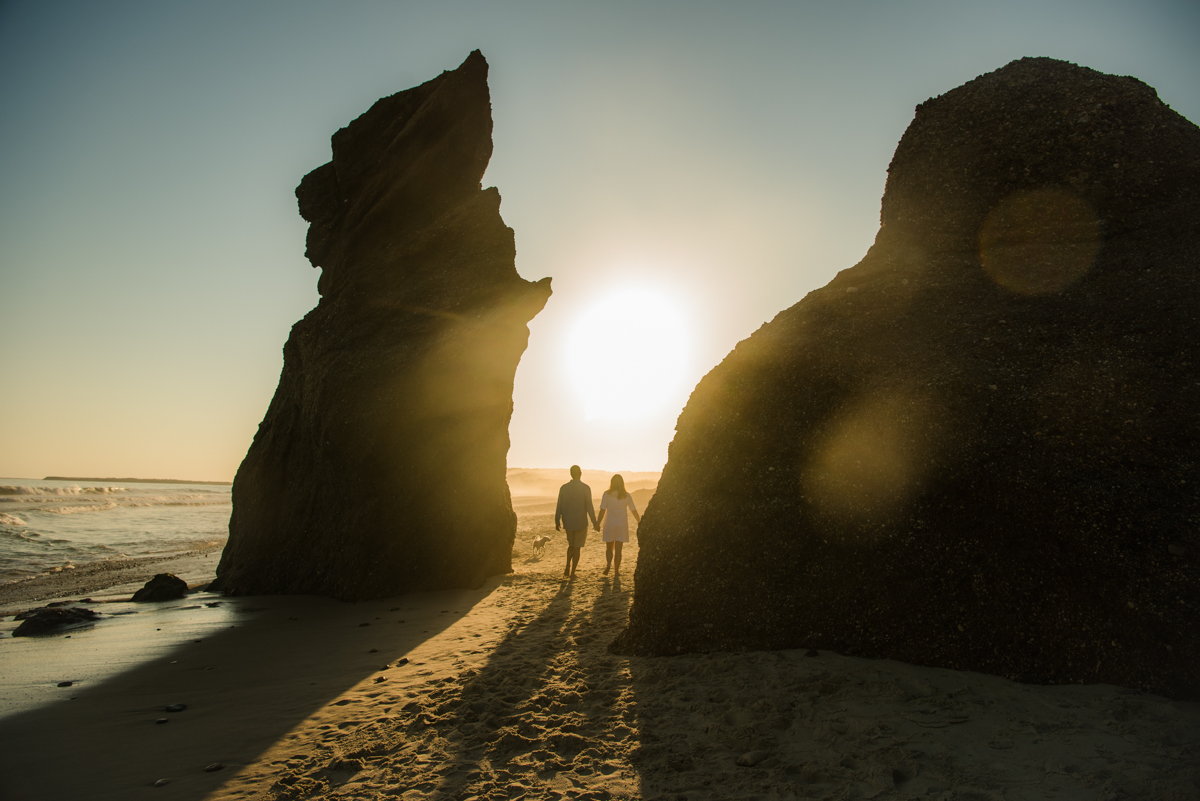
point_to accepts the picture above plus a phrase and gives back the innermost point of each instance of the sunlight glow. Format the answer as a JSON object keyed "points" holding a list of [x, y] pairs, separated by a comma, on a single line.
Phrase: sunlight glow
{"points": [[627, 354]]}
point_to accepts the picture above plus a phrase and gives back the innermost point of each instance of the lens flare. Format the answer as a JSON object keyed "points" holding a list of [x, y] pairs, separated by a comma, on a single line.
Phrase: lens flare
{"points": [[873, 459], [627, 355], [1041, 241]]}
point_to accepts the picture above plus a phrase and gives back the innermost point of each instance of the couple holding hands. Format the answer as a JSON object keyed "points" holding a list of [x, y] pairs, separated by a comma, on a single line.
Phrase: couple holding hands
{"points": [[575, 509]]}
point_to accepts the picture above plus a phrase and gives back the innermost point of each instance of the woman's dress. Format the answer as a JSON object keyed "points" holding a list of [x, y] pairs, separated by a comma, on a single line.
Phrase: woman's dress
{"points": [[616, 518]]}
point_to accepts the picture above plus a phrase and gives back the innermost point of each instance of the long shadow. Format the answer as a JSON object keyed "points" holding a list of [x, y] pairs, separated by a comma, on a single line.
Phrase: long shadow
{"points": [[540, 714], [245, 688]]}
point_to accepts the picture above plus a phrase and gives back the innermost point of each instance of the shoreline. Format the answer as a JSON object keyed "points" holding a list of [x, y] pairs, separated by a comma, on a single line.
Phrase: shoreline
{"points": [[110, 578]]}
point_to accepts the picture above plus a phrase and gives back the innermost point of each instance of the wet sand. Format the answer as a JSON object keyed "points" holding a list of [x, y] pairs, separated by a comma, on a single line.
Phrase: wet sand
{"points": [[510, 692]]}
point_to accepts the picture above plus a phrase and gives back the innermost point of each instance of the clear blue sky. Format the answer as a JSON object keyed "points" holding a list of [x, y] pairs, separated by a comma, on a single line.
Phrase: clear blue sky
{"points": [[729, 155]]}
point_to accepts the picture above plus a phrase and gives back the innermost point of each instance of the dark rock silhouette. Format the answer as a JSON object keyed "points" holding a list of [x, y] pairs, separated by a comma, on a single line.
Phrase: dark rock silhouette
{"points": [[163, 587], [50, 620], [978, 447], [380, 465]]}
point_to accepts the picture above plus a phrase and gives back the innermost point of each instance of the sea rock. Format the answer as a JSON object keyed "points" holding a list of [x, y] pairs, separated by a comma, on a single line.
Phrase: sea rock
{"points": [[379, 467], [163, 587], [978, 457], [48, 620]]}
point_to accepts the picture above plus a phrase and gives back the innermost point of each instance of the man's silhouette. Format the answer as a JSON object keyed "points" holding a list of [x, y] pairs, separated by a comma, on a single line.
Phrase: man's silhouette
{"points": [[574, 510]]}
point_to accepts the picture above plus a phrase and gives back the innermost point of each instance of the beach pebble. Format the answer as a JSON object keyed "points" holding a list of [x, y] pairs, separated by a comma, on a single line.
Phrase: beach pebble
{"points": [[373, 651], [751, 758], [213, 603], [65, 683], [213, 767], [402, 661], [174, 707], [161, 783], [163, 720]]}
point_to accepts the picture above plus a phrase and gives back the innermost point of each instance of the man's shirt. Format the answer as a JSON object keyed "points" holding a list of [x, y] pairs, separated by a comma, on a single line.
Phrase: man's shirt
{"points": [[574, 506]]}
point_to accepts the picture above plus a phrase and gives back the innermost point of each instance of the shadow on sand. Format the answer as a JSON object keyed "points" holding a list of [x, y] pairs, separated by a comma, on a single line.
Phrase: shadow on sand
{"points": [[245, 686]]}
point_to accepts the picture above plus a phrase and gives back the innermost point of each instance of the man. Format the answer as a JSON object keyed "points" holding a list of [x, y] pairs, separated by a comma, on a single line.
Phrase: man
{"points": [[574, 510]]}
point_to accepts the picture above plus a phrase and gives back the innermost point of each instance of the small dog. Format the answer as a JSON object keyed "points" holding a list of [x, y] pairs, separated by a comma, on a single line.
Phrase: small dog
{"points": [[539, 545]]}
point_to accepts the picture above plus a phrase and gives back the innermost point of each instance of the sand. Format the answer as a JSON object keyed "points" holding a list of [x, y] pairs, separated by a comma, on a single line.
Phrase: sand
{"points": [[509, 692]]}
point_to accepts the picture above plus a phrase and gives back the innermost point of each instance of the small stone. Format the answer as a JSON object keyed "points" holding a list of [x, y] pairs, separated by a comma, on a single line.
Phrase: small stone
{"points": [[163, 720], [213, 767], [380, 678], [213, 603], [174, 707], [65, 683], [402, 661], [373, 651], [161, 783], [751, 758]]}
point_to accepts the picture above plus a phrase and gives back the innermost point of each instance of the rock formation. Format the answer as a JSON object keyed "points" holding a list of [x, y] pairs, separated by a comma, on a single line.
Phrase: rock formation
{"points": [[379, 467], [978, 447], [163, 587], [51, 620]]}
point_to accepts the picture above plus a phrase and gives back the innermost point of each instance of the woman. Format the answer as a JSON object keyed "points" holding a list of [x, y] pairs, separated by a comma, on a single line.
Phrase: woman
{"points": [[614, 505]]}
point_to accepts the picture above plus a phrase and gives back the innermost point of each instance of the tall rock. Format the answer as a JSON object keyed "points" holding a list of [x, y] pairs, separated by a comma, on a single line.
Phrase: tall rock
{"points": [[380, 465], [978, 447]]}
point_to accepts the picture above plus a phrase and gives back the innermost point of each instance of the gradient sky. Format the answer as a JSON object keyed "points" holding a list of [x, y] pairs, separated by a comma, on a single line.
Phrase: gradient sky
{"points": [[729, 155]]}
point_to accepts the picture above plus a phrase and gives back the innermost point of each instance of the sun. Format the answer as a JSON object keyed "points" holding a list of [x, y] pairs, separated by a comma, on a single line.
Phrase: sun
{"points": [[627, 354]]}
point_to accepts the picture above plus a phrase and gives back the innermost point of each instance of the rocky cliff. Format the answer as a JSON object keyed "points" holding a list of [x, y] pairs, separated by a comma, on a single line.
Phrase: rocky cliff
{"points": [[978, 447], [380, 465]]}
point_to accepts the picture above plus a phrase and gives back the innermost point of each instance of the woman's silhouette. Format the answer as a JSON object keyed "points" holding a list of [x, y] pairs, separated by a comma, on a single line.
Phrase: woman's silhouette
{"points": [[614, 507]]}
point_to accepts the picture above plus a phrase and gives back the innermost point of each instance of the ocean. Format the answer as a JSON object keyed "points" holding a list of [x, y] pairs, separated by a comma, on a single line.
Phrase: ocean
{"points": [[46, 526]]}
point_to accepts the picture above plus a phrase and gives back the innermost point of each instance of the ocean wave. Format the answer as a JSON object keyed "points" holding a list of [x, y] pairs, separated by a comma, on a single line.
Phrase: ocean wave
{"points": [[10, 520], [22, 536], [70, 510], [76, 490]]}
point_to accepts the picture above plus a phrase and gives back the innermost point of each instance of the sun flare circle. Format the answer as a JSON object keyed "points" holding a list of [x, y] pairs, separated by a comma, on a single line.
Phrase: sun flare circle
{"points": [[627, 355]]}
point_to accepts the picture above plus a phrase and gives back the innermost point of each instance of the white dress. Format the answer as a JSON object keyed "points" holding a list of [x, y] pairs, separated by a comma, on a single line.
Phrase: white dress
{"points": [[616, 519]]}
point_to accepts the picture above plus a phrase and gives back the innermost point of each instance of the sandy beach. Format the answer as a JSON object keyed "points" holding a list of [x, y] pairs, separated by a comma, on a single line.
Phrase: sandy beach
{"points": [[509, 691]]}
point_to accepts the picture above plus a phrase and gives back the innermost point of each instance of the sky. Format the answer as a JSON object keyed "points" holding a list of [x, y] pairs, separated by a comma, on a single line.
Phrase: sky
{"points": [[702, 163]]}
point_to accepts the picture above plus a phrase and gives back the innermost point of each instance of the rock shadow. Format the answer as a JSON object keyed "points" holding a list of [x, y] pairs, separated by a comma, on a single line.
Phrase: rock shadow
{"points": [[245, 686]]}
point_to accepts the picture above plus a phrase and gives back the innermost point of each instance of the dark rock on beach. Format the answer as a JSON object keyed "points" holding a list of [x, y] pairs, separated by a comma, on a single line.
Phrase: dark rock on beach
{"points": [[50, 620], [380, 465], [978, 447], [163, 587]]}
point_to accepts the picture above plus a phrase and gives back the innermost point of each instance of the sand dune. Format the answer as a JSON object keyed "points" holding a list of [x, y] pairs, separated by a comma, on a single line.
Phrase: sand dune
{"points": [[510, 692]]}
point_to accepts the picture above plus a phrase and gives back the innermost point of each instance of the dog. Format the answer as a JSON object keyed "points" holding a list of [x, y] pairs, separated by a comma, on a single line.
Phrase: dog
{"points": [[539, 545]]}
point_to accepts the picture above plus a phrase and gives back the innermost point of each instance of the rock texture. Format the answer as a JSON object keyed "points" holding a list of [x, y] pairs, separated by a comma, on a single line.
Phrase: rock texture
{"points": [[50, 620], [380, 465], [163, 587], [978, 447]]}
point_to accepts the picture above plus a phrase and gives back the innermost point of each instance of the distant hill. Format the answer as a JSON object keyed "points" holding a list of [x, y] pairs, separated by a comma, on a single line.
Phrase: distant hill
{"points": [[136, 480], [544, 481]]}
